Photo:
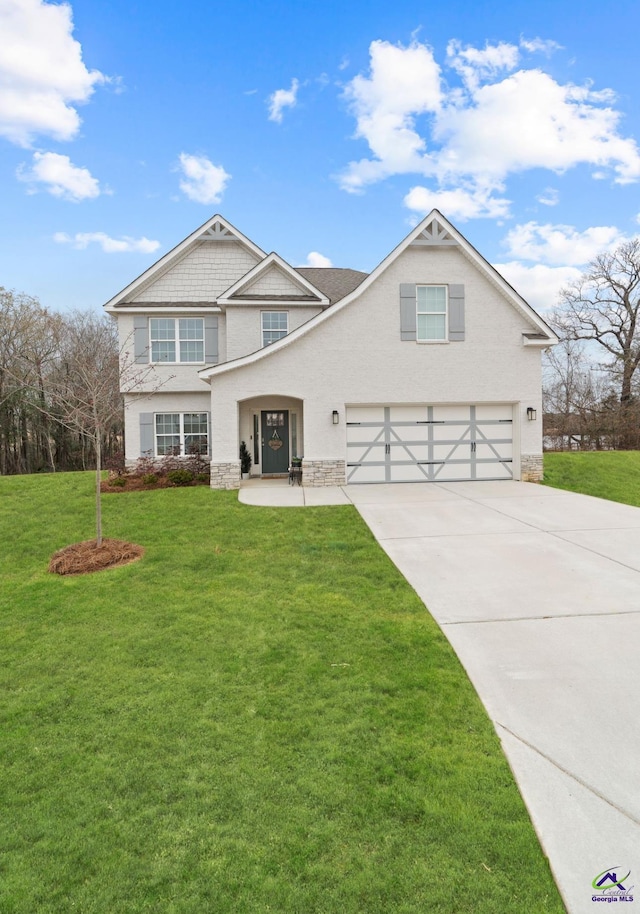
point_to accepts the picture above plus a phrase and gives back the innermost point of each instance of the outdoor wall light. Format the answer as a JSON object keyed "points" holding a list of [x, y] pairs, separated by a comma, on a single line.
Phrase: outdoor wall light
{"points": [[531, 414], [335, 417]]}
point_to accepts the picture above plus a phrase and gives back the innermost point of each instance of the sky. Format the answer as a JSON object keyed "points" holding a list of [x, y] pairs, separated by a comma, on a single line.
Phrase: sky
{"points": [[323, 131]]}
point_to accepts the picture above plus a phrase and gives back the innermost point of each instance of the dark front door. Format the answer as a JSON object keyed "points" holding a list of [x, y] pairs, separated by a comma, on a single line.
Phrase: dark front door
{"points": [[275, 441]]}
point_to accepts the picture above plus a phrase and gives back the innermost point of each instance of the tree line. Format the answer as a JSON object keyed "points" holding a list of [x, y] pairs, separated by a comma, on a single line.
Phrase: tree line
{"points": [[591, 388], [58, 374]]}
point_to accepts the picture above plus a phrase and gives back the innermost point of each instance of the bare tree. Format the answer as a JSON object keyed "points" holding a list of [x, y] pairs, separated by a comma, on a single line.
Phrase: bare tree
{"points": [[82, 386], [603, 306], [29, 337], [573, 392]]}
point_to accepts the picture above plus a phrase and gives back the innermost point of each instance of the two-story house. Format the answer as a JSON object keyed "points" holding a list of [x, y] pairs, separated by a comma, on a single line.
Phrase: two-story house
{"points": [[426, 369]]}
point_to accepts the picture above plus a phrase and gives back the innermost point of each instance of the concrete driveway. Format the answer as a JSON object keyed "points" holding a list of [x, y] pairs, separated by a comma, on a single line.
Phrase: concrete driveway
{"points": [[538, 591]]}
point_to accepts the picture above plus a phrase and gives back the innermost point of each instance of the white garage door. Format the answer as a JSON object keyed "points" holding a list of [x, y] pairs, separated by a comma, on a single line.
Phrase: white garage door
{"points": [[429, 443]]}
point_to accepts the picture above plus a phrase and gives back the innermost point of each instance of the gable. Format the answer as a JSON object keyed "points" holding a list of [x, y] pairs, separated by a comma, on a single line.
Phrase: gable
{"points": [[201, 274], [196, 270], [273, 282]]}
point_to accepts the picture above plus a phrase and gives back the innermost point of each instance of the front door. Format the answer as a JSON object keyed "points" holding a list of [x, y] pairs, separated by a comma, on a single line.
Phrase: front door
{"points": [[275, 441]]}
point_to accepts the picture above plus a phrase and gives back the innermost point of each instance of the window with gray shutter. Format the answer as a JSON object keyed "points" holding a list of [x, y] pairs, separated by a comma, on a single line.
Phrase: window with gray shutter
{"points": [[140, 340], [211, 340], [456, 313], [146, 435], [407, 311]]}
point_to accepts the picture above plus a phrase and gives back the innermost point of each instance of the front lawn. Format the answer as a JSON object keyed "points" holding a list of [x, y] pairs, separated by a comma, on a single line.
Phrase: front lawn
{"points": [[258, 716], [608, 474]]}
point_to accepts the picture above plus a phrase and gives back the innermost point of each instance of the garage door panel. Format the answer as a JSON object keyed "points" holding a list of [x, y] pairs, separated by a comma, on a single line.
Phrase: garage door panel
{"points": [[408, 473], [438, 443], [365, 473], [413, 453], [493, 470]]}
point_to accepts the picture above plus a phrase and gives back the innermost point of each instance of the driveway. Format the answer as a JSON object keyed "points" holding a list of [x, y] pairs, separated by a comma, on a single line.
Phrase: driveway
{"points": [[538, 591]]}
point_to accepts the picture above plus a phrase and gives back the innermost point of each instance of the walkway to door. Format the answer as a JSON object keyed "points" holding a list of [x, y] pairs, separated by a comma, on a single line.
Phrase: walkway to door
{"points": [[538, 591]]}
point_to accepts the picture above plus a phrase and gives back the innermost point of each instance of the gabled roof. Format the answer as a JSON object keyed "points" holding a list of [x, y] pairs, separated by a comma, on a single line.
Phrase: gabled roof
{"points": [[216, 229], [434, 230], [298, 288]]}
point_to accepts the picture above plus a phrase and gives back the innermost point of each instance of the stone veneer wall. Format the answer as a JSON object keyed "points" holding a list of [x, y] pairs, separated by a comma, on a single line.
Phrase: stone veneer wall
{"points": [[323, 473], [225, 475], [531, 468]]}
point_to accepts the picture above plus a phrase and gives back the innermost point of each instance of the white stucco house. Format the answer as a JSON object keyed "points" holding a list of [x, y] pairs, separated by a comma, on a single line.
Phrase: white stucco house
{"points": [[426, 369]]}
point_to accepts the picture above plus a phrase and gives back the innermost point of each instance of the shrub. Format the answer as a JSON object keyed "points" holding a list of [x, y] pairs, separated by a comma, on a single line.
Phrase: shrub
{"points": [[144, 466], [114, 463], [150, 479], [245, 458], [196, 462], [119, 481], [180, 477]]}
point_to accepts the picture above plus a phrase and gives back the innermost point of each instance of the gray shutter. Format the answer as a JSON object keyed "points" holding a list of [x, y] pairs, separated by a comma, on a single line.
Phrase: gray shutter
{"points": [[146, 435], [456, 313], [211, 340], [209, 435], [407, 311], [140, 339]]}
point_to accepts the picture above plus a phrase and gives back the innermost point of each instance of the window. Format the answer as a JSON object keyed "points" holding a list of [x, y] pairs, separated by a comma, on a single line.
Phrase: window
{"points": [[431, 304], [181, 433], [187, 346], [275, 325]]}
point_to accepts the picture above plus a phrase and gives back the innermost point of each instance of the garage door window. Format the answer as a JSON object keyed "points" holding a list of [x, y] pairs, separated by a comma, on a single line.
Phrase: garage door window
{"points": [[431, 302]]}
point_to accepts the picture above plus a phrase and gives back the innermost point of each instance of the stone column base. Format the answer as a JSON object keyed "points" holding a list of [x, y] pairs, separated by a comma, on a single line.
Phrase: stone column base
{"points": [[323, 473], [225, 475], [531, 468]]}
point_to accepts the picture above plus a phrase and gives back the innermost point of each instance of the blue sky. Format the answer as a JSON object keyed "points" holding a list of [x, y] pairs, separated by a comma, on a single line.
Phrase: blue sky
{"points": [[323, 131]]}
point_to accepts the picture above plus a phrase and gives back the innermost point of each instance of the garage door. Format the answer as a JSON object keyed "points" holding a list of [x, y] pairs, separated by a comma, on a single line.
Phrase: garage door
{"points": [[429, 443]]}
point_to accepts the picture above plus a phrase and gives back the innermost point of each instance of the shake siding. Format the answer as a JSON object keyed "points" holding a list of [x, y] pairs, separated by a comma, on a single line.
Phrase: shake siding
{"points": [[201, 275], [274, 282]]}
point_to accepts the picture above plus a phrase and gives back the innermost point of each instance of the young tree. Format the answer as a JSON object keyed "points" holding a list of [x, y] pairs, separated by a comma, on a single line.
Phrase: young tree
{"points": [[83, 385], [603, 306]]}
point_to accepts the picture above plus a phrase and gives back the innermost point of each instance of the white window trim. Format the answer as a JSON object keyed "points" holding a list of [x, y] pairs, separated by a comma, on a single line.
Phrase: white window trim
{"points": [[176, 341], [181, 432], [264, 330], [434, 285]]}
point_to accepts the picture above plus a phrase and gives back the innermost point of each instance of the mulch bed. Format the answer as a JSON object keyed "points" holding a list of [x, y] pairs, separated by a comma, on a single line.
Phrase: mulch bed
{"points": [[86, 557], [136, 484]]}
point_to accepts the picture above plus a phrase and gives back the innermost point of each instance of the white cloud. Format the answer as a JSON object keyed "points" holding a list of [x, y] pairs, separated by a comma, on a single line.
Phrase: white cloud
{"points": [[540, 285], [457, 203], [203, 181], [560, 245], [314, 259], [527, 121], [404, 83], [281, 99], [82, 240], [549, 197], [540, 45], [475, 65], [60, 177], [494, 124], [42, 74]]}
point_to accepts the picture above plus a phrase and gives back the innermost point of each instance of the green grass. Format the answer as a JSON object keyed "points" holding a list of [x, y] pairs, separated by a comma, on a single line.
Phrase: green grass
{"points": [[614, 475], [259, 716]]}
